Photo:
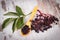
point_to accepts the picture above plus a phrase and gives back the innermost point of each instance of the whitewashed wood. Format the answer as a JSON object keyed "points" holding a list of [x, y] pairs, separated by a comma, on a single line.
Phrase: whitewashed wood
{"points": [[27, 6]]}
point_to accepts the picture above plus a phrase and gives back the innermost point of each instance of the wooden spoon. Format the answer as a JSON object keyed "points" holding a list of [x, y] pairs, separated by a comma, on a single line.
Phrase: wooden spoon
{"points": [[28, 23]]}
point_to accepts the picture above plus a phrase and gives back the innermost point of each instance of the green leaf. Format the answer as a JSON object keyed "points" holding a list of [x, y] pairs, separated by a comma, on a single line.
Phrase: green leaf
{"points": [[14, 25], [11, 14], [20, 23], [6, 22], [19, 11]]}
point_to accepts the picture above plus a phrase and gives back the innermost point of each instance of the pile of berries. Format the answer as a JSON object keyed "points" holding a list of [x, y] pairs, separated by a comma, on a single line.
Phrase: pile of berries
{"points": [[43, 22], [25, 30]]}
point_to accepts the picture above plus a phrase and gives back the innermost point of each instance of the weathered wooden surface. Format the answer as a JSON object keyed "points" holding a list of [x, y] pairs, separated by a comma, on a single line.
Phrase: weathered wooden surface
{"points": [[27, 6]]}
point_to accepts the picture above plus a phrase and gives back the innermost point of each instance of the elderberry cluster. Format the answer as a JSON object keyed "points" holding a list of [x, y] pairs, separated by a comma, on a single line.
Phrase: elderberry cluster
{"points": [[43, 22]]}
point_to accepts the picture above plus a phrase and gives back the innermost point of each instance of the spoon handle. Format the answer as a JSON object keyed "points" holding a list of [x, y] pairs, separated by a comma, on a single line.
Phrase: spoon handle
{"points": [[32, 16]]}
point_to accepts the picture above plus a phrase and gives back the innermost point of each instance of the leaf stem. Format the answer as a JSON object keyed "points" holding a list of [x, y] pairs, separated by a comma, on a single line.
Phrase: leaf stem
{"points": [[28, 14]]}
